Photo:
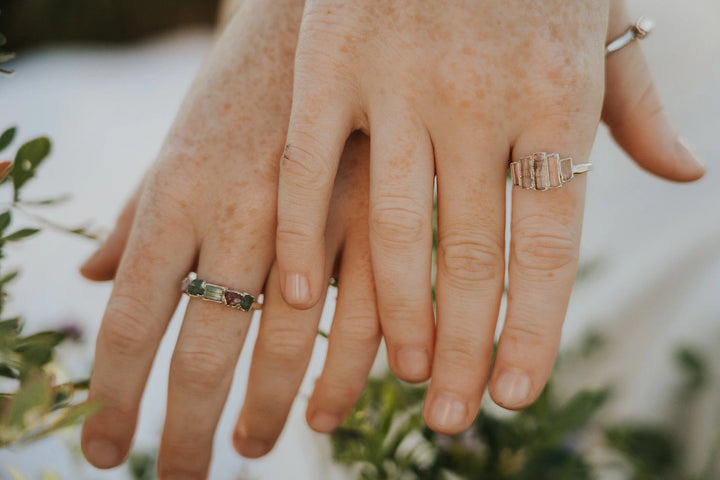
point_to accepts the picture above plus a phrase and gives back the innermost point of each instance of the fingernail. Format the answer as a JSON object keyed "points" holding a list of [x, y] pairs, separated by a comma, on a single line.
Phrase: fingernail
{"points": [[448, 413], [103, 453], [324, 422], [252, 448], [413, 362], [512, 388], [297, 288], [689, 152]]}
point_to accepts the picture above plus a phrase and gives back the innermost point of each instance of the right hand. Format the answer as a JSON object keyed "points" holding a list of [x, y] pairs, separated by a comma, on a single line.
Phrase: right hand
{"points": [[208, 205]]}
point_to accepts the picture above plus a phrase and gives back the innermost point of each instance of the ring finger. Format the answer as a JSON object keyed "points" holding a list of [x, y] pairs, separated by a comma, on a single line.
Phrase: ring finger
{"points": [[207, 350]]}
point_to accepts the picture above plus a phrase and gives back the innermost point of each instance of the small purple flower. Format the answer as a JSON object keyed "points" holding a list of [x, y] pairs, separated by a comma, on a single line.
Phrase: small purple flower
{"points": [[73, 331]]}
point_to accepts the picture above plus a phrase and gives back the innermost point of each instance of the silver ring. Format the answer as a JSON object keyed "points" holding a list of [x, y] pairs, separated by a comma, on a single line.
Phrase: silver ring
{"points": [[193, 286], [543, 171], [638, 31]]}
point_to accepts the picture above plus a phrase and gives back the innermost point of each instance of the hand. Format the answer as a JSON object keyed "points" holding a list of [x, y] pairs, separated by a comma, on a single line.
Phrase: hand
{"points": [[209, 205], [459, 89]]}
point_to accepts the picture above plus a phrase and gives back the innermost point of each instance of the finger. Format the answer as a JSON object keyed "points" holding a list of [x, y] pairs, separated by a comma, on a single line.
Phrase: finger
{"points": [[401, 203], [208, 348], [320, 123], [544, 246], [102, 265], [470, 273], [635, 114], [160, 251], [282, 352], [353, 341]]}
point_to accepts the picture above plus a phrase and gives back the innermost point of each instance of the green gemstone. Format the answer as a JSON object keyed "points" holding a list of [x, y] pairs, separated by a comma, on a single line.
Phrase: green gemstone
{"points": [[196, 287], [246, 302]]}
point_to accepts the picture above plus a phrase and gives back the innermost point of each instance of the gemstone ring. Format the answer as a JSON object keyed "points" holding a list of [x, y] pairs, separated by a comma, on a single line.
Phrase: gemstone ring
{"points": [[542, 171], [193, 286]]}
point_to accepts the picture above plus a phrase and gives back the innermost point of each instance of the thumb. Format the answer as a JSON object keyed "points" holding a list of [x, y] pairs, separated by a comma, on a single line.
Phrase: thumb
{"points": [[634, 112], [103, 264]]}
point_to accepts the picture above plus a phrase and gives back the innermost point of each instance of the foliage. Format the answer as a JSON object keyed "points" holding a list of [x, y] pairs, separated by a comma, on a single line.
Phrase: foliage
{"points": [[385, 438], [37, 404]]}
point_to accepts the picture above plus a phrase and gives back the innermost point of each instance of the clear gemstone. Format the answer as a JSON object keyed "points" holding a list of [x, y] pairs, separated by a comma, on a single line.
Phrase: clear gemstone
{"points": [[542, 180], [515, 173], [214, 293], [553, 163], [526, 166], [566, 172]]}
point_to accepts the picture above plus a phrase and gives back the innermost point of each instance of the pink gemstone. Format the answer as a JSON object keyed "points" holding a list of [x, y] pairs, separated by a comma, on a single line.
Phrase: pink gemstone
{"points": [[233, 299]]}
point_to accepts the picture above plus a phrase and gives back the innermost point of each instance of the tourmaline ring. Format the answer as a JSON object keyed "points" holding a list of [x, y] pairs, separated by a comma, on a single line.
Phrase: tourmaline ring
{"points": [[542, 171], [196, 287]]}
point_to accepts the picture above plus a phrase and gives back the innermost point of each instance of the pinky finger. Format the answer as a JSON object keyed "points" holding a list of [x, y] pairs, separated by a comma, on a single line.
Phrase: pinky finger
{"points": [[635, 114], [353, 342]]}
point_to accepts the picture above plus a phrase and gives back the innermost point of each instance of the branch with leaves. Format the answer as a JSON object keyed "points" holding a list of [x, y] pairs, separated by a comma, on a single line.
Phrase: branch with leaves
{"points": [[36, 405]]}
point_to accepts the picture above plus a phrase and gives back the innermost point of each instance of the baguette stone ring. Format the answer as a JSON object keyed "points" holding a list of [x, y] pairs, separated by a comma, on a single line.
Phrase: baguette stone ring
{"points": [[196, 287], [543, 171]]}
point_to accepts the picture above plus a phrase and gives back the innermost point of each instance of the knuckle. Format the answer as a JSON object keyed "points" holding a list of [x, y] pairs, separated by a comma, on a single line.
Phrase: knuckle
{"points": [[295, 233], [305, 161], [523, 333], [398, 222], [337, 394], [200, 368], [463, 354], [285, 346], [467, 260], [127, 326], [544, 245], [361, 328]]}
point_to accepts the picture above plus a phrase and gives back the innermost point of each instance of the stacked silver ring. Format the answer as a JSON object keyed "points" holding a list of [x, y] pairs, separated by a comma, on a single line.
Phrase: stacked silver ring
{"points": [[196, 287]]}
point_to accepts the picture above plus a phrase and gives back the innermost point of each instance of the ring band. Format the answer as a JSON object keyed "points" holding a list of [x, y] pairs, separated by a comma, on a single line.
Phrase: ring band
{"points": [[543, 171], [196, 287], [638, 31]]}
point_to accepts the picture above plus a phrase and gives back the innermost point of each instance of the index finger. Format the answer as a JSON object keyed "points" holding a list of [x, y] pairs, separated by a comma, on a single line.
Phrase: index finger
{"points": [[160, 252]]}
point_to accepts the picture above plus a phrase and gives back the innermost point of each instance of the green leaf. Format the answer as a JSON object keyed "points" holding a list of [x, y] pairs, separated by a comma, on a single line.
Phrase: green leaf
{"points": [[694, 368], [70, 416], [7, 137], [33, 399], [37, 350], [11, 326], [8, 277], [3, 40], [650, 449], [6, 56], [20, 234], [46, 201], [5, 218], [28, 157], [7, 372]]}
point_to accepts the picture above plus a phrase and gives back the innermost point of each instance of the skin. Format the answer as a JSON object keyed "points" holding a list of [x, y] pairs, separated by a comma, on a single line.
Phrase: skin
{"points": [[457, 90], [229, 137], [177, 222]]}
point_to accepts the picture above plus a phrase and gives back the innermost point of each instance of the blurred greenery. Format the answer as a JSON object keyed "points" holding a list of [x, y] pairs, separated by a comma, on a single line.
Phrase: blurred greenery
{"points": [[385, 438], [33, 22], [34, 404]]}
